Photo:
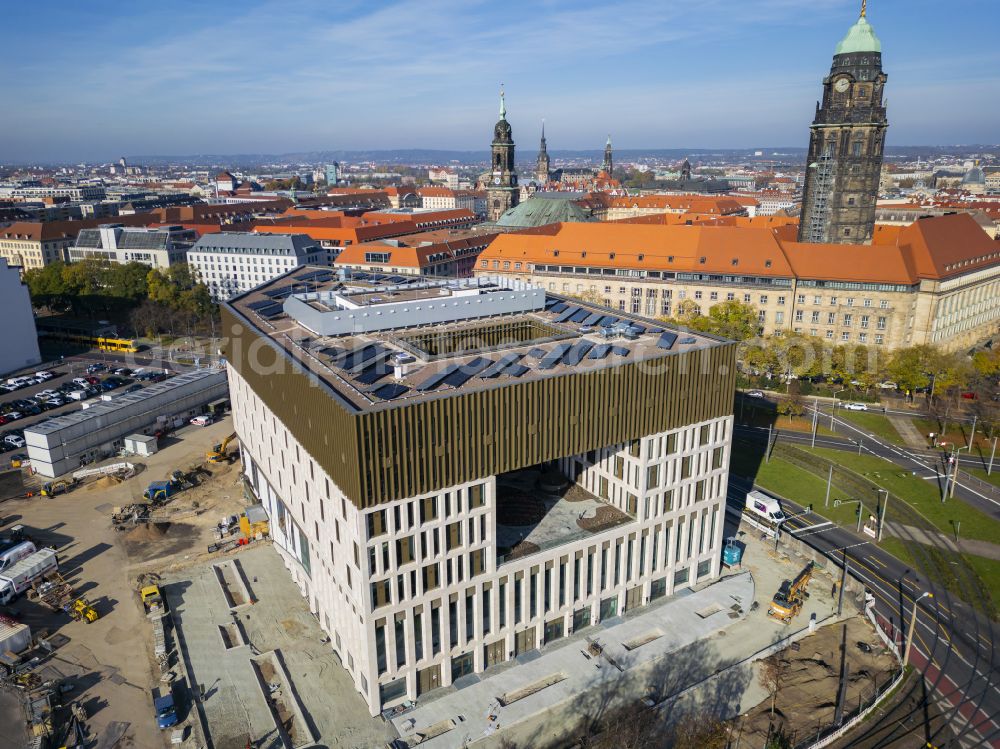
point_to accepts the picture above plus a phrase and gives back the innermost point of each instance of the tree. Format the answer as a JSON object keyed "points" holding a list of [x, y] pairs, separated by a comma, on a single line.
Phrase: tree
{"points": [[688, 312], [591, 295], [700, 731], [793, 405], [730, 319], [908, 367], [771, 676]]}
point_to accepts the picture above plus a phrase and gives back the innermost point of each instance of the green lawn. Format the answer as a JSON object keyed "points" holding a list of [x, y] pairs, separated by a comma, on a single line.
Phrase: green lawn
{"points": [[922, 495], [874, 422], [989, 572], [792, 482], [980, 473]]}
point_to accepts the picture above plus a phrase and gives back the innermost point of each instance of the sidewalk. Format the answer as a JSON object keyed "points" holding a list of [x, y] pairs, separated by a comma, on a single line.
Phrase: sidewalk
{"points": [[934, 538], [909, 433]]}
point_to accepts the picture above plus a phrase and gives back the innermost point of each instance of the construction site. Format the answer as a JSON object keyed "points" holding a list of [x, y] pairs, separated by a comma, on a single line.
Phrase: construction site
{"points": [[165, 559]]}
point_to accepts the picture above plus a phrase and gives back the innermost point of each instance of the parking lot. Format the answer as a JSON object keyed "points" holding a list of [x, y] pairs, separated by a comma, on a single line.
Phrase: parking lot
{"points": [[32, 405]]}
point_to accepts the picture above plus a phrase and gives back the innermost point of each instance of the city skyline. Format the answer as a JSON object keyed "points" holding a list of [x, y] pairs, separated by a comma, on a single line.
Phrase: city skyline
{"points": [[256, 79]]}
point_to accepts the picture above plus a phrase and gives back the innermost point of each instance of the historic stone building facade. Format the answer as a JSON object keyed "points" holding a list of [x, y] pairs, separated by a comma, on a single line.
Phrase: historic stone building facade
{"points": [[846, 143], [502, 192]]}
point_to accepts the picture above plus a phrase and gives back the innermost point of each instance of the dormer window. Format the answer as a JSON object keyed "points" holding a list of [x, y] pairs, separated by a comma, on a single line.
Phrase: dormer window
{"points": [[702, 259], [641, 258], [767, 263], [736, 261], [611, 255]]}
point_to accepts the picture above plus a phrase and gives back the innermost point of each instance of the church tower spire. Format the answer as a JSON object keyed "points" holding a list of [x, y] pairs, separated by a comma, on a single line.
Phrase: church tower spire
{"points": [[846, 141], [609, 163], [542, 164], [502, 191]]}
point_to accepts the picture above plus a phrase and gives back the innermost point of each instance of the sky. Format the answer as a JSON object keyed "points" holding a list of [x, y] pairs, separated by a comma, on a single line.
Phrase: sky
{"points": [[94, 81]]}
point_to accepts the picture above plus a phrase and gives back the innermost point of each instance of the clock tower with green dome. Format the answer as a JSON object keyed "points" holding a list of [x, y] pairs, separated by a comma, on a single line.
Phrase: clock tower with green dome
{"points": [[846, 143], [502, 191]]}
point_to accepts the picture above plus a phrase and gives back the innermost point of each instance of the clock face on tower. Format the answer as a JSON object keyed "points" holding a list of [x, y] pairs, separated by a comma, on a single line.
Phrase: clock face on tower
{"points": [[513, 179], [496, 180], [841, 85]]}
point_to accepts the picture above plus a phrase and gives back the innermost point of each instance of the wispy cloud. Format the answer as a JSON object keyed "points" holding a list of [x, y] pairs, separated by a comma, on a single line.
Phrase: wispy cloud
{"points": [[238, 76]]}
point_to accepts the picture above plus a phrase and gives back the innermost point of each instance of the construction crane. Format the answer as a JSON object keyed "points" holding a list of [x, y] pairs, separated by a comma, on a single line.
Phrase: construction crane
{"points": [[787, 602], [218, 453]]}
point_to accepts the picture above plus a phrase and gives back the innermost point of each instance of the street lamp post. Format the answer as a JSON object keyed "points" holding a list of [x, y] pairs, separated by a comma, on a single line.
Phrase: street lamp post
{"points": [[881, 515], [913, 624], [834, 409], [989, 468], [954, 468]]}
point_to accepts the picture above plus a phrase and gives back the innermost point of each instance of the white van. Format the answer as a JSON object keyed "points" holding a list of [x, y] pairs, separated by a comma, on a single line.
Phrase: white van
{"points": [[764, 507], [77, 395], [14, 551]]}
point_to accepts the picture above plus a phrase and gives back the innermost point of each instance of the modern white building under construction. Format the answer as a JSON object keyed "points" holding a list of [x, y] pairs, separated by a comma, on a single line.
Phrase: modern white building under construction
{"points": [[459, 472]]}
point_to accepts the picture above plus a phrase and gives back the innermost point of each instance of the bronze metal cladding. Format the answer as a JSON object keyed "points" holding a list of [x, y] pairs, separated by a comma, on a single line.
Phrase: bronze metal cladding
{"points": [[392, 451]]}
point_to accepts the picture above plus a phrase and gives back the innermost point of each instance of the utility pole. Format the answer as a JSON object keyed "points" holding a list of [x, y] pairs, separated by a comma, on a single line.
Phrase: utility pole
{"points": [[843, 582], [972, 435], [861, 511], [815, 420], [989, 468], [767, 452], [829, 481], [838, 713], [913, 624]]}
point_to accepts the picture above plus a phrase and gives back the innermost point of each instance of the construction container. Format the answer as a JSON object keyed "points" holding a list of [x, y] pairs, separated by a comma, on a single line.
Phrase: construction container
{"points": [[14, 637], [732, 554], [254, 522]]}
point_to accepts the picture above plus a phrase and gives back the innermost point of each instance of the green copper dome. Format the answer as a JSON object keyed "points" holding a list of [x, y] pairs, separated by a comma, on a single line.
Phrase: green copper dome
{"points": [[861, 38]]}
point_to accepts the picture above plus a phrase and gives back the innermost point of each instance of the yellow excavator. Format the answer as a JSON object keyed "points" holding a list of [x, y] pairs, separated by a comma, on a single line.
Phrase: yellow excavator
{"points": [[787, 602], [218, 453]]}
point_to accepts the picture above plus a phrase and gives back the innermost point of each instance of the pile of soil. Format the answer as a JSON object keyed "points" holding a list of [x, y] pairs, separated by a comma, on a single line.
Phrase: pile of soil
{"points": [[577, 493], [523, 549], [105, 482], [605, 517], [148, 532], [518, 508]]}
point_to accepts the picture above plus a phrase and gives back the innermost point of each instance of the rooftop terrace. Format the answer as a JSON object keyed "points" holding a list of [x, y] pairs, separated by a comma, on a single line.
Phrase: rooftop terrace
{"points": [[411, 338]]}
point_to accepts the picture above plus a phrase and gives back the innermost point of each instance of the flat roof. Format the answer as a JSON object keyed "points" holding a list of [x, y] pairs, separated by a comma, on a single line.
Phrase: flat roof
{"points": [[123, 400], [383, 368]]}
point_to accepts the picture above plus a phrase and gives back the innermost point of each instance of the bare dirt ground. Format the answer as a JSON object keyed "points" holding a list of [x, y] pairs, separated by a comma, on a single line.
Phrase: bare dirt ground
{"points": [[109, 663], [809, 675]]}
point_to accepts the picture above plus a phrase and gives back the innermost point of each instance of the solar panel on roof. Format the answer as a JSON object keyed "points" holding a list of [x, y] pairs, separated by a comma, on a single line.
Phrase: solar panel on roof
{"points": [[516, 370], [655, 330], [567, 313], [575, 355], [600, 351], [390, 390], [558, 307], [640, 329], [435, 379], [262, 303], [688, 340], [330, 351], [620, 351], [270, 314], [580, 315], [375, 372], [537, 353], [466, 372], [608, 320], [593, 318], [268, 309], [495, 369], [554, 356], [361, 355], [396, 279], [667, 340]]}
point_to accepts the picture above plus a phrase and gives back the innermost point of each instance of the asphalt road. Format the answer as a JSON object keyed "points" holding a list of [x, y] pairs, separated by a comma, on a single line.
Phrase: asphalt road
{"points": [[953, 644]]}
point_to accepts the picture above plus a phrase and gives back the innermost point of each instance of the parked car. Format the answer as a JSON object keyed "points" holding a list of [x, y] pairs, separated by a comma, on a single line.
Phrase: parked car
{"points": [[166, 712], [91, 380], [15, 440], [888, 385], [91, 369], [133, 388], [856, 406], [201, 421], [14, 415], [80, 382], [123, 371], [45, 374], [158, 377], [970, 396], [755, 394]]}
